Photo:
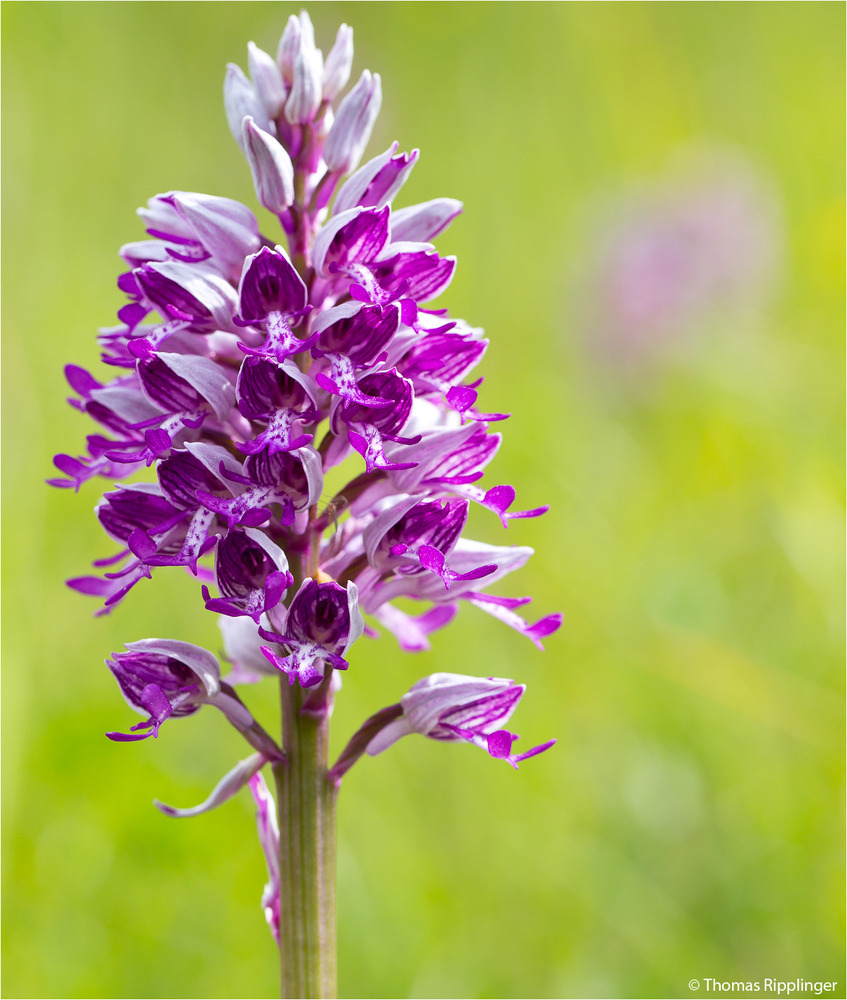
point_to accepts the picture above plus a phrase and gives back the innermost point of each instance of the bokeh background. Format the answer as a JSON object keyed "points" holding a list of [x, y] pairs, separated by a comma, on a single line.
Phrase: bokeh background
{"points": [[653, 240]]}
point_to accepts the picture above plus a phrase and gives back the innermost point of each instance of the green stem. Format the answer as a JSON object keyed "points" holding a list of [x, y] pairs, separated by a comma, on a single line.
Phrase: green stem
{"points": [[306, 807]]}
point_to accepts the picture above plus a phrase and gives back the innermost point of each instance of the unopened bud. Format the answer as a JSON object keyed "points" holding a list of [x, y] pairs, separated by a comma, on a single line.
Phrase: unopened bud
{"points": [[267, 79], [338, 64], [240, 100], [353, 124], [306, 92], [289, 46], [273, 173]]}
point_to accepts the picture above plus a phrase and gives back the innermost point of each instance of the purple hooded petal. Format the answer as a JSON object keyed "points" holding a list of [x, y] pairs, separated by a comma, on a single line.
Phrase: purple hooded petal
{"points": [[251, 573], [326, 614], [199, 661], [357, 236], [387, 420], [419, 274], [360, 332], [440, 359], [265, 387], [269, 284], [130, 508], [182, 474], [445, 457]]}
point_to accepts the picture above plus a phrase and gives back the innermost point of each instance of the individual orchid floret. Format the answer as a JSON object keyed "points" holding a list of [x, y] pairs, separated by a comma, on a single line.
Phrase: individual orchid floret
{"points": [[454, 706], [394, 539], [162, 678], [323, 621], [447, 707], [251, 572], [272, 295], [370, 425], [280, 395], [353, 124]]}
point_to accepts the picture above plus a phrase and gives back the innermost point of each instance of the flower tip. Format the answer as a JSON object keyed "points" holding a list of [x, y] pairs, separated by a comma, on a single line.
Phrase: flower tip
{"points": [[544, 627], [534, 751]]}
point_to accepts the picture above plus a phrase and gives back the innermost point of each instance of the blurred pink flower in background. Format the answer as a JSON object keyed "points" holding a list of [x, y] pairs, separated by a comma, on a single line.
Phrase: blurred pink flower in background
{"points": [[700, 244]]}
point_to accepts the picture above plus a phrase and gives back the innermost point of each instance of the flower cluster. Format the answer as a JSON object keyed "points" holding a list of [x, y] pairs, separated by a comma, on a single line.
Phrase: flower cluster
{"points": [[246, 371]]}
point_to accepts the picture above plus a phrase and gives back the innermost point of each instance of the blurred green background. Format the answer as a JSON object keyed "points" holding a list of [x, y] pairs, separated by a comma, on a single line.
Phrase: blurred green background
{"points": [[689, 822]]}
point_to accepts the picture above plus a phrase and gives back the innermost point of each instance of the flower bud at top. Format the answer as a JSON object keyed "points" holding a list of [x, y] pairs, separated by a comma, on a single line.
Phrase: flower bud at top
{"points": [[353, 124], [306, 93], [240, 100], [273, 173], [266, 78], [289, 46], [338, 64]]}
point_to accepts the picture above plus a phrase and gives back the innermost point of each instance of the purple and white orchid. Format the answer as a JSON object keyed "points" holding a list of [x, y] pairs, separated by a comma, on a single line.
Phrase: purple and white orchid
{"points": [[246, 371]]}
